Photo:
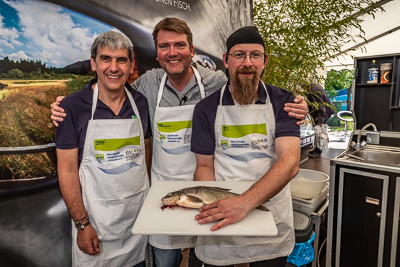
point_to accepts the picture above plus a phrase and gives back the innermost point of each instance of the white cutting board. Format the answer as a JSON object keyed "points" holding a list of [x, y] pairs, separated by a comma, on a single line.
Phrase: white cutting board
{"points": [[152, 220]]}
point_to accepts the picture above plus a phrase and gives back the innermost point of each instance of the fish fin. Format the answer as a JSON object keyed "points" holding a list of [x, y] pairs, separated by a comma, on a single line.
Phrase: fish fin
{"points": [[194, 199], [261, 207], [219, 188]]}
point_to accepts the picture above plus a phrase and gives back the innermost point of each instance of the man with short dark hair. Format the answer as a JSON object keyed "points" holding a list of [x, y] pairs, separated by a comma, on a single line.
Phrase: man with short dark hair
{"points": [[242, 133], [172, 91]]}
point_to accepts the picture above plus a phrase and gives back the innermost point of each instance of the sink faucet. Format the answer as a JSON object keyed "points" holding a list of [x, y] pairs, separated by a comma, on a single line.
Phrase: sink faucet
{"points": [[372, 138]]}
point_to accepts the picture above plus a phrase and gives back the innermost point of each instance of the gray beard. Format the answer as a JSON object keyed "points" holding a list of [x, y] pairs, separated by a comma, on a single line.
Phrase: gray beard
{"points": [[245, 90]]}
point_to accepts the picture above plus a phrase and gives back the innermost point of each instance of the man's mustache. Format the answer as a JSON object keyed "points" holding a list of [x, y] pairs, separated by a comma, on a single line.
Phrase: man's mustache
{"points": [[168, 57], [246, 71]]}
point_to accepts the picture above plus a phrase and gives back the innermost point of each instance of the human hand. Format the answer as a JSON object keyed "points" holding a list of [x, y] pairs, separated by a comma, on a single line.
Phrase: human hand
{"points": [[297, 109], [87, 240], [57, 113], [229, 210]]}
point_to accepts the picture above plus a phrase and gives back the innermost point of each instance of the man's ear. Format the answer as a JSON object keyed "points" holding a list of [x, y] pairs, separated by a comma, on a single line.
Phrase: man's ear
{"points": [[192, 51], [93, 64], [132, 67], [225, 58], [266, 57]]}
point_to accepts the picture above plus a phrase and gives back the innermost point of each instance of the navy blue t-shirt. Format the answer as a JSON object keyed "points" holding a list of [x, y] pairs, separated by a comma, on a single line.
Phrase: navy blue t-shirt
{"points": [[203, 131], [71, 133]]}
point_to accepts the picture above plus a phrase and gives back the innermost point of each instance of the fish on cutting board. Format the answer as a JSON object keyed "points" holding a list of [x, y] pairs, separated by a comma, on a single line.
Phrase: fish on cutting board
{"points": [[198, 196]]}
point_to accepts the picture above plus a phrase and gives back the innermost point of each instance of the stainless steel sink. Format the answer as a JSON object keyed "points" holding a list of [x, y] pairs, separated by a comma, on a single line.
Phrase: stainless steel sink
{"points": [[384, 157]]}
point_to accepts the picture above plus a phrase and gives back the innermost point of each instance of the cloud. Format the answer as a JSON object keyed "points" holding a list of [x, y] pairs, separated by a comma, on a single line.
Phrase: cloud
{"points": [[53, 37], [5, 43], [19, 55], [8, 36]]}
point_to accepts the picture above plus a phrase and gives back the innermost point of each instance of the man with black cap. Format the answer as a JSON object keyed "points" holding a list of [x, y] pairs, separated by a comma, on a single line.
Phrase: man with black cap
{"points": [[242, 133], [172, 92]]}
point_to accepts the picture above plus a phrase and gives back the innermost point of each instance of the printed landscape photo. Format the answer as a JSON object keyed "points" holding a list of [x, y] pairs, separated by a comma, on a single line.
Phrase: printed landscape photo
{"points": [[40, 59]]}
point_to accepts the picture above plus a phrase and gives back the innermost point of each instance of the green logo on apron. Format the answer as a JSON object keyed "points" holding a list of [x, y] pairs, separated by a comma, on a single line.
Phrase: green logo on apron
{"points": [[99, 157], [224, 144], [162, 138], [115, 144], [237, 131], [173, 126]]}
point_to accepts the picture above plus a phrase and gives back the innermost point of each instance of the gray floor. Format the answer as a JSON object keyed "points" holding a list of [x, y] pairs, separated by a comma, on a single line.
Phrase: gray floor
{"points": [[35, 227]]}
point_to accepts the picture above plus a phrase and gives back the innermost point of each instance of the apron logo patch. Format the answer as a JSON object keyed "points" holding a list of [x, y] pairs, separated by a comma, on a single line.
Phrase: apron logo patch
{"points": [[173, 126], [239, 131], [100, 142], [99, 157], [131, 155], [234, 144], [224, 144], [175, 132], [113, 145], [114, 156], [259, 144], [187, 138]]}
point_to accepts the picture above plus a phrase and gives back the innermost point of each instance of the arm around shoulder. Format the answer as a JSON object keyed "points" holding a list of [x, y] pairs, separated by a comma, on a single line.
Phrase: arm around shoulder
{"points": [[297, 109]]}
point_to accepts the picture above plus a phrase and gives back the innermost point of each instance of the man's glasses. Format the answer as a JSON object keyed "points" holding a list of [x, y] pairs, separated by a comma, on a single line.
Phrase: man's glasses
{"points": [[241, 57]]}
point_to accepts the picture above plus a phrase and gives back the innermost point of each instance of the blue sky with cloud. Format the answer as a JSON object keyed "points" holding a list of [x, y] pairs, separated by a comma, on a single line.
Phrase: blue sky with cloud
{"points": [[38, 30]]}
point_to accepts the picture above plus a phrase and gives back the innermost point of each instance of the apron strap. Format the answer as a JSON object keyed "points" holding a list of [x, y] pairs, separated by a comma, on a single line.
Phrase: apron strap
{"points": [[129, 95], [201, 85], [94, 101], [222, 94], [164, 80], [135, 109], [96, 97], [161, 89]]}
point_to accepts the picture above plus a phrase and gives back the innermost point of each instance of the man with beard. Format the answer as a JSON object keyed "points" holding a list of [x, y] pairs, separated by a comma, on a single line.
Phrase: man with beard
{"points": [[241, 133], [172, 91]]}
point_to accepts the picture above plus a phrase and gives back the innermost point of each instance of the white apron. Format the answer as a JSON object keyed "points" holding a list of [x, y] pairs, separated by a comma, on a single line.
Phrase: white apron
{"points": [[114, 185], [245, 150], [172, 158]]}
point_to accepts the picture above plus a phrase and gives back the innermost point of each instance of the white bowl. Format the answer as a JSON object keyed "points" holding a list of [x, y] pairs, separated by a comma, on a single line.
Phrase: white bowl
{"points": [[307, 184]]}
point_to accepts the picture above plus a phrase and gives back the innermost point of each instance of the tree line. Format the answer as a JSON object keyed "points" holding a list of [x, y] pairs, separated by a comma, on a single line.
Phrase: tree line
{"points": [[35, 69]]}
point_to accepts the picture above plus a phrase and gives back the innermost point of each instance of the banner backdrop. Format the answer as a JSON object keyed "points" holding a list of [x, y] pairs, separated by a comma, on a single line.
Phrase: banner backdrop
{"points": [[210, 21], [44, 53]]}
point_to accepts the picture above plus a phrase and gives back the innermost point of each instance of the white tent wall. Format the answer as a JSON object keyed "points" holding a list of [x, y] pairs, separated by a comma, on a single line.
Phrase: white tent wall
{"points": [[381, 32]]}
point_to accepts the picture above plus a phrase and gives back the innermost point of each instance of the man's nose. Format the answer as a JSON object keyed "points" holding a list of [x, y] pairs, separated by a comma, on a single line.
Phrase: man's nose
{"points": [[114, 66], [172, 50], [247, 60]]}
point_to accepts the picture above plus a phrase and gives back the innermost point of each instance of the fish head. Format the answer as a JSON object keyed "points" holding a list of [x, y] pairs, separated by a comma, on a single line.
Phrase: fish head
{"points": [[171, 198]]}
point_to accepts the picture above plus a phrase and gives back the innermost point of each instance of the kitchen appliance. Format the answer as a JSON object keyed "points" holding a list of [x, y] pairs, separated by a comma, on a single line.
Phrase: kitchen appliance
{"points": [[317, 209]]}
